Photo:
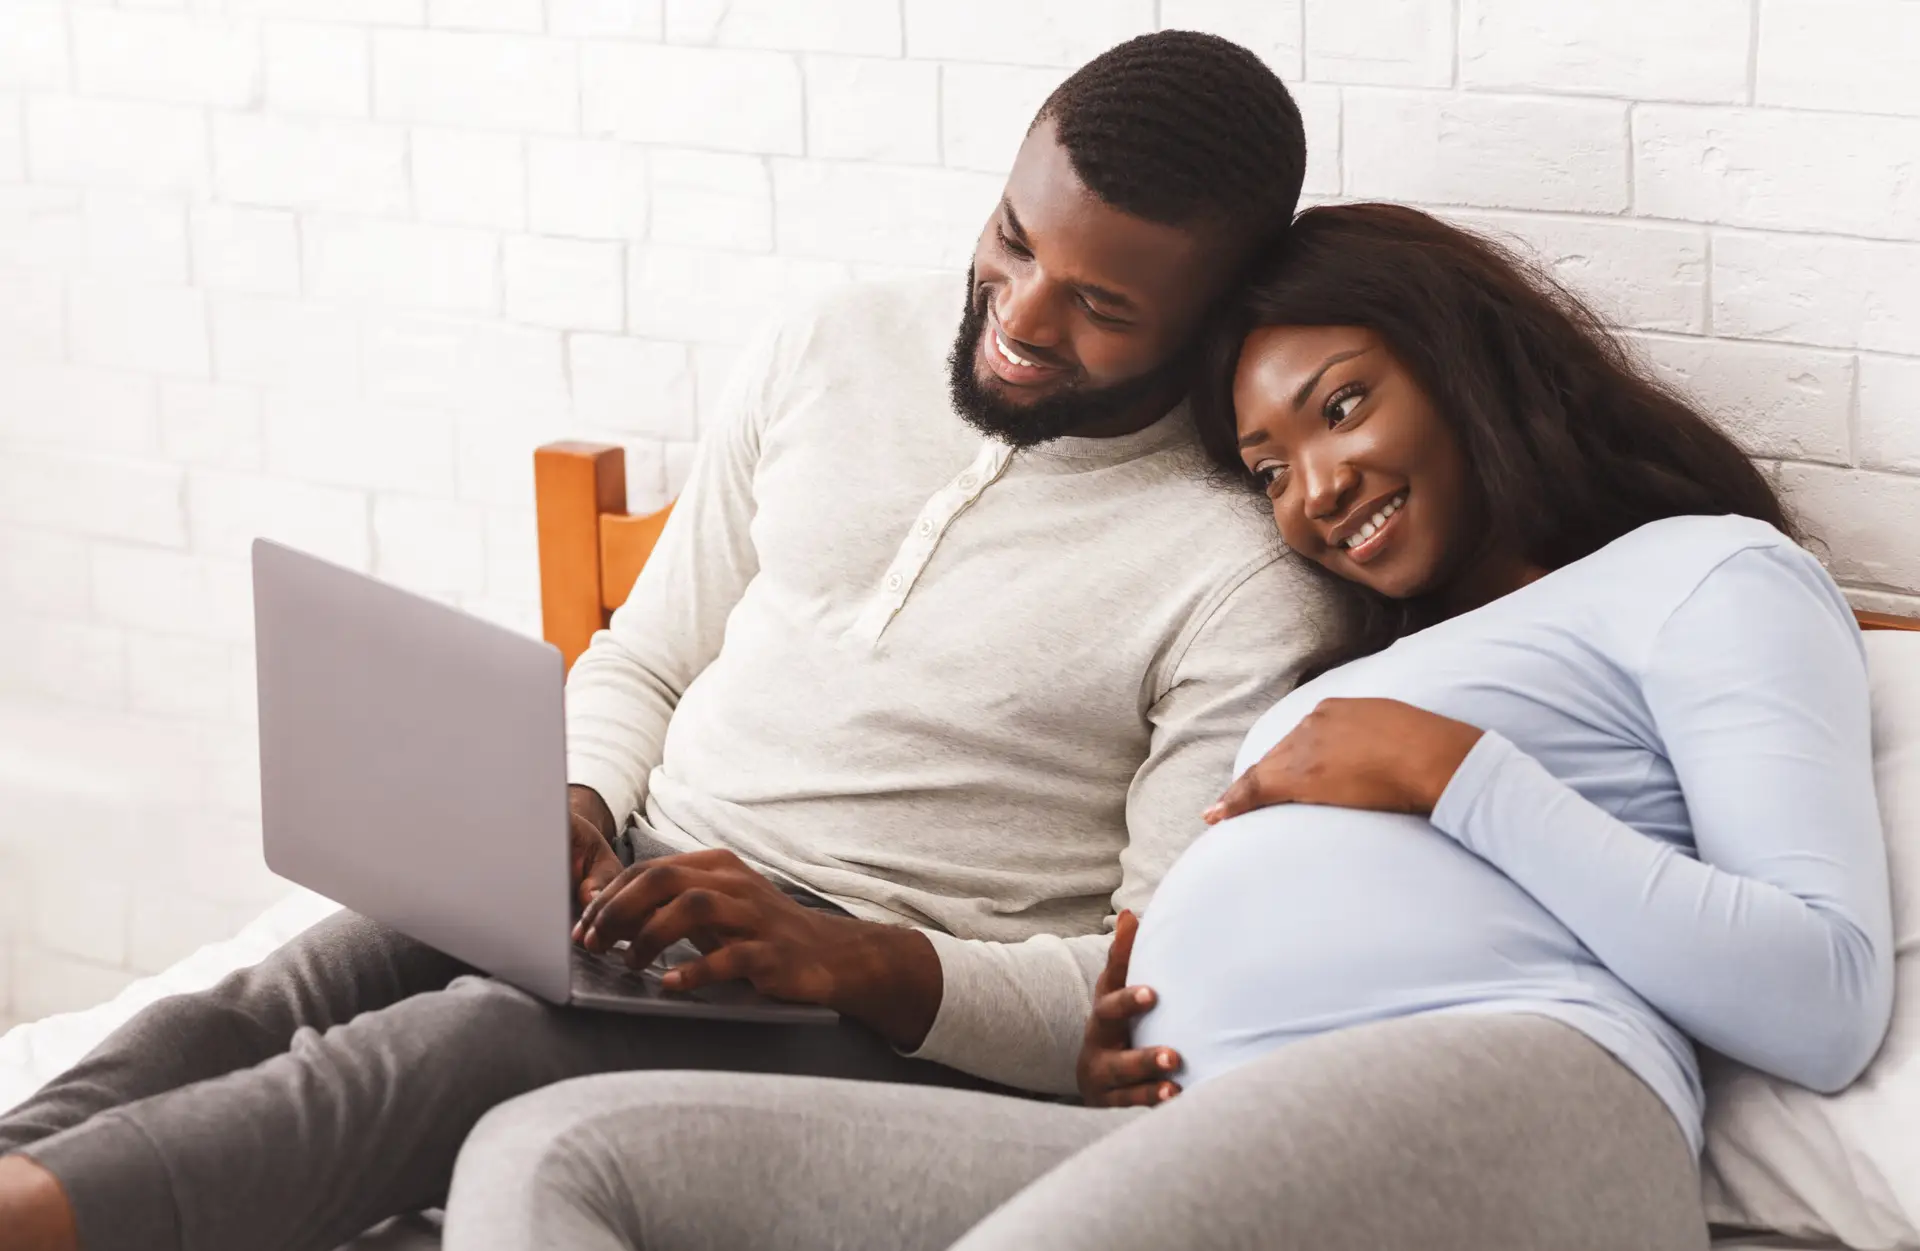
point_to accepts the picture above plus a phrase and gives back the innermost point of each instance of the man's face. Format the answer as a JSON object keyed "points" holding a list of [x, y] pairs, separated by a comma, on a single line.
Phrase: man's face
{"points": [[1076, 312]]}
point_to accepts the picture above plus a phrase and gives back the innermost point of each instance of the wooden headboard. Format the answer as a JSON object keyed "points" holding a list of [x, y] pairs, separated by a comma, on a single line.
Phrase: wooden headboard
{"points": [[591, 548]]}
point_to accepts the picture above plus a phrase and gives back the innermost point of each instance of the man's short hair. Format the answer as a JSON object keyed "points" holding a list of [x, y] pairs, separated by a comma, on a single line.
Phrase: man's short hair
{"points": [[1184, 128]]}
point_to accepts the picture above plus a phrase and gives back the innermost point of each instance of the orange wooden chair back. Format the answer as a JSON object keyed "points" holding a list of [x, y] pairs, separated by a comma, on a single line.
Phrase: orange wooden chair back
{"points": [[591, 548]]}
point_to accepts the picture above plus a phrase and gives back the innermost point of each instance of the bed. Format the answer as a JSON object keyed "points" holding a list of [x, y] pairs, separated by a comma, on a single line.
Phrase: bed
{"points": [[590, 551]]}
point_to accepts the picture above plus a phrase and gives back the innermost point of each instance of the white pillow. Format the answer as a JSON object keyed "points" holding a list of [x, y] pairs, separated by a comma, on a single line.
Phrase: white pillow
{"points": [[1845, 1166]]}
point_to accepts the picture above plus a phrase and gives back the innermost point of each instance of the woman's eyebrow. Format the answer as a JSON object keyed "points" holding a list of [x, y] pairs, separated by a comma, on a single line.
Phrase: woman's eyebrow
{"points": [[1306, 388], [1251, 440]]}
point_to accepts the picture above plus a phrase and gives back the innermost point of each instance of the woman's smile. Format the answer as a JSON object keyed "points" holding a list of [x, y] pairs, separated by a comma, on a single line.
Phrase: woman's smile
{"points": [[1365, 535]]}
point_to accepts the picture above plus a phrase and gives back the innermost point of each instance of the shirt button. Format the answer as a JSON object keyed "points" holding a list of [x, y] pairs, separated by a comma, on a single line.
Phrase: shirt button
{"points": [[893, 581], [967, 481], [926, 526]]}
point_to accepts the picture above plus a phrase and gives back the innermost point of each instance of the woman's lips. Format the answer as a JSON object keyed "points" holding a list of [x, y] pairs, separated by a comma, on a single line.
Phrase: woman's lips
{"points": [[1370, 547]]}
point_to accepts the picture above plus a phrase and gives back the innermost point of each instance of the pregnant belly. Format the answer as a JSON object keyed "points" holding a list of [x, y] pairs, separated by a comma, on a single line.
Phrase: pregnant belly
{"points": [[1299, 919]]}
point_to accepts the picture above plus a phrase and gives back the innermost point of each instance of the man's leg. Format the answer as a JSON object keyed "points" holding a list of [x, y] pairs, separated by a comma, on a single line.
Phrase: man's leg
{"points": [[740, 1162], [364, 1122], [324, 977]]}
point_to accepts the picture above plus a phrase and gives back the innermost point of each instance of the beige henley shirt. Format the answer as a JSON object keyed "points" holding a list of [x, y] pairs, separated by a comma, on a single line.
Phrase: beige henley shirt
{"points": [[945, 684]]}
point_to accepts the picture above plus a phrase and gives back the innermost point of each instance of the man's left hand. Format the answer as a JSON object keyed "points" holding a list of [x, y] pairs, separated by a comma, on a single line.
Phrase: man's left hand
{"points": [[884, 975], [1377, 754]]}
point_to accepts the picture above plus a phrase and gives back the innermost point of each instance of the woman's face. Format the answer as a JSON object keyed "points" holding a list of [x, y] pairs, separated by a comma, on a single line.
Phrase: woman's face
{"points": [[1364, 475]]}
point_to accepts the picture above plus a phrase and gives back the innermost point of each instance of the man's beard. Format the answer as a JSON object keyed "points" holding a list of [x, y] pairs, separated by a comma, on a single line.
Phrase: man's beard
{"points": [[1052, 416]]}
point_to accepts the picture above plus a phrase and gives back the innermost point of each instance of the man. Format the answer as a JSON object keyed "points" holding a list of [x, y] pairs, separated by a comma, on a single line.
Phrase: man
{"points": [[947, 645]]}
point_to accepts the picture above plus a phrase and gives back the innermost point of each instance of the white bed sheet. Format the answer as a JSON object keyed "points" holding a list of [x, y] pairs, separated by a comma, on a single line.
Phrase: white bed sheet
{"points": [[33, 1054]]}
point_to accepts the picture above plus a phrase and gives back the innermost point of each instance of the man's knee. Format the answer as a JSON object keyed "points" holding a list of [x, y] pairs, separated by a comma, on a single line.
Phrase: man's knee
{"points": [[331, 972], [471, 1021], [350, 947]]}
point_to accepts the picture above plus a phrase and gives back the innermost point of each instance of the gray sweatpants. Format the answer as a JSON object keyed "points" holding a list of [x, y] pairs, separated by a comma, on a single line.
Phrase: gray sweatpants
{"points": [[1441, 1133], [329, 1087]]}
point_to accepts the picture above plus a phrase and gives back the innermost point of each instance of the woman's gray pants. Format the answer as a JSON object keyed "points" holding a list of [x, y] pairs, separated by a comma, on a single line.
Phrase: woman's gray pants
{"points": [[1441, 1133]]}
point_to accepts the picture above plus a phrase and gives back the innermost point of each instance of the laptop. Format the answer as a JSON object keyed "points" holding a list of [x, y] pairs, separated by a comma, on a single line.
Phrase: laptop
{"points": [[413, 768]]}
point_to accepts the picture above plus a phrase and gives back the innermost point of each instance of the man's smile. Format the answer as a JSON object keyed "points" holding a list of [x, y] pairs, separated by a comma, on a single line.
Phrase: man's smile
{"points": [[1011, 363]]}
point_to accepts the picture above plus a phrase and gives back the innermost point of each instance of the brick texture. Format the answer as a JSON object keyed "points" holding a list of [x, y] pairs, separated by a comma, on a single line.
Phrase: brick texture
{"points": [[328, 270]]}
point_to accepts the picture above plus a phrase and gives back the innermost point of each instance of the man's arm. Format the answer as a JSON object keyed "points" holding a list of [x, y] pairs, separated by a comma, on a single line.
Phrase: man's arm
{"points": [[1010, 1012], [624, 687], [1016, 1013]]}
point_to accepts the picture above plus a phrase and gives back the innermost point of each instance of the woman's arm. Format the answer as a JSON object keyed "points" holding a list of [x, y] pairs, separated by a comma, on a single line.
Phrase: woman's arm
{"points": [[1775, 946]]}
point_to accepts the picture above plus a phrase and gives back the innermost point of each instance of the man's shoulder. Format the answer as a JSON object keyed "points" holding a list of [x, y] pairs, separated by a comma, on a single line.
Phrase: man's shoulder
{"points": [[885, 341], [1247, 588], [875, 321], [1226, 528]]}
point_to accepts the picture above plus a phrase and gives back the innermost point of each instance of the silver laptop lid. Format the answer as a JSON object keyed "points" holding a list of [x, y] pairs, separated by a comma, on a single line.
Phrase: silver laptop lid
{"points": [[413, 765]]}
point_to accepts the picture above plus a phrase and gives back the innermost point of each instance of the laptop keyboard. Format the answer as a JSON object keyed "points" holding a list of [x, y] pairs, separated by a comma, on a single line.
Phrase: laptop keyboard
{"points": [[608, 974]]}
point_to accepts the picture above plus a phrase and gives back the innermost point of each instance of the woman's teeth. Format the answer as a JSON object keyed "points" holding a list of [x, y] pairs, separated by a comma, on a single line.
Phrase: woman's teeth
{"points": [[1373, 523], [1007, 353]]}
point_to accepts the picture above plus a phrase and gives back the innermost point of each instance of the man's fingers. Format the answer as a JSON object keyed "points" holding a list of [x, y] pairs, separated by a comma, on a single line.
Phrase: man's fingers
{"points": [[697, 909], [757, 962], [597, 905], [1131, 1068], [1144, 1095], [631, 899], [595, 876], [665, 877], [593, 861], [736, 962], [1119, 954], [1118, 1006]]}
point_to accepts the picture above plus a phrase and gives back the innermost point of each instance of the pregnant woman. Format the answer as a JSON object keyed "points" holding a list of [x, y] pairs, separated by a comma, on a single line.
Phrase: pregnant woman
{"points": [[1585, 782]]}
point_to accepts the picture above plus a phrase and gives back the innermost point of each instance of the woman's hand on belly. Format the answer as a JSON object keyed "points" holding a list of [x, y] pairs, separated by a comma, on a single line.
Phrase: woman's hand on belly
{"points": [[1112, 1072], [1378, 754]]}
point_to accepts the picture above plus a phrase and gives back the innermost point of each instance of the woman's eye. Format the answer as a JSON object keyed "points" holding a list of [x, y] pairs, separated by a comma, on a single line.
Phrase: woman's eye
{"points": [[1342, 403], [1271, 474]]}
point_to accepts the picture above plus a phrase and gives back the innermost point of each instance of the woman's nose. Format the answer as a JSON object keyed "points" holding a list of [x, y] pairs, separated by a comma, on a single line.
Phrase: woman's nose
{"points": [[1327, 487]]}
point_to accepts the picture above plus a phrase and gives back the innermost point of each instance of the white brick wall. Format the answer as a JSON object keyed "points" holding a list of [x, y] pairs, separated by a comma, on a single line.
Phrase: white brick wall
{"points": [[327, 270], [1644, 49], [311, 68], [158, 56], [1396, 42], [1530, 152]]}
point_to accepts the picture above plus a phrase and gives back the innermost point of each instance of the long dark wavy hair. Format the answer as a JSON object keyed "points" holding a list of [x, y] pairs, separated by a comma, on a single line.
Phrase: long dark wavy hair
{"points": [[1569, 442]]}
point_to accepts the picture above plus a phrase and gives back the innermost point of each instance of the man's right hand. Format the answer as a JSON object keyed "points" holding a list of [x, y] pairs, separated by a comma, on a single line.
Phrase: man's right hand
{"points": [[1113, 1072], [591, 835]]}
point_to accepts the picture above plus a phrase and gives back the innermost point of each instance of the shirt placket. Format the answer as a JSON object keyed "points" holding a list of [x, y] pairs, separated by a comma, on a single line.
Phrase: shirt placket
{"points": [[923, 539]]}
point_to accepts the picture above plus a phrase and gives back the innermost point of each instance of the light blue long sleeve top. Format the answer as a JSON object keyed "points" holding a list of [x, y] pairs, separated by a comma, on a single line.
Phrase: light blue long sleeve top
{"points": [[1667, 833]]}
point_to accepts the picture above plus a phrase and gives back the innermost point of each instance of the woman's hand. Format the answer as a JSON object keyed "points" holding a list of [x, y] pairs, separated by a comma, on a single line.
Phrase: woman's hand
{"points": [[1377, 754], [1114, 1074]]}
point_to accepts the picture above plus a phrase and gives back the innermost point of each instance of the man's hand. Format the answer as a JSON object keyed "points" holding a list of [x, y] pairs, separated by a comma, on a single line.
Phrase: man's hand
{"points": [[886, 976], [1112, 1072], [590, 832], [1377, 754]]}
